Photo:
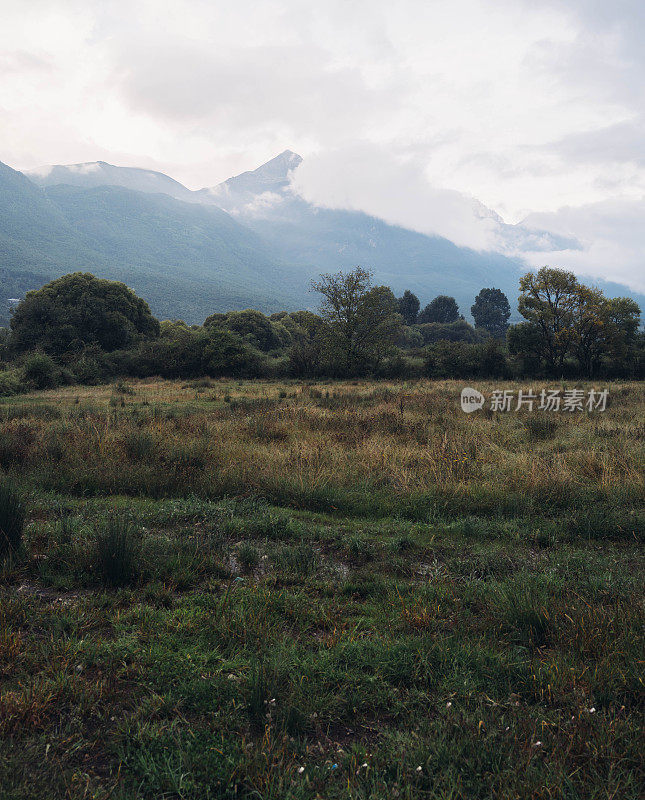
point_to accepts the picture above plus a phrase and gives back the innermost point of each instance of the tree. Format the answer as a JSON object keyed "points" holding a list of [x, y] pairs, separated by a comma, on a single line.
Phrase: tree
{"points": [[441, 309], [623, 317], [491, 311], [524, 341], [409, 307], [226, 354], [79, 311], [603, 327], [305, 352], [459, 331], [361, 322], [251, 325], [548, 301], [566, 318]]}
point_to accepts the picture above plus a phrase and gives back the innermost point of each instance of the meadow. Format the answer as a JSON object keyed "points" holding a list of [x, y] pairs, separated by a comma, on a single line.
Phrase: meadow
{"points": [[321, 590]]}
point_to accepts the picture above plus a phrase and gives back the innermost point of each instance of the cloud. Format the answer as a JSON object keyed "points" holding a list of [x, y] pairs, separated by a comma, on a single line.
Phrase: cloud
{"points": [[622, 142], [612, 237], [373, 180], [408, 110]]}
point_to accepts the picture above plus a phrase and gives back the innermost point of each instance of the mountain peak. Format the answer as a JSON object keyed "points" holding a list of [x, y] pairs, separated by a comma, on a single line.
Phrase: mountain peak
{"points": [[271, 177], [278, 168]]}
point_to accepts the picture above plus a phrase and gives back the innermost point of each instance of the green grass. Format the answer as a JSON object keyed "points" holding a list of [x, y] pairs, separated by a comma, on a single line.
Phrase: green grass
{"points": [[12, 517], [301, 639]]}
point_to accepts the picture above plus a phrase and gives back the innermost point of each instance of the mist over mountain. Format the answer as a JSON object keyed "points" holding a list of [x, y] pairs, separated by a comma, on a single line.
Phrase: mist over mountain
{"points": [[251, 241], [186, 259], [99, 173], [266, 184]]}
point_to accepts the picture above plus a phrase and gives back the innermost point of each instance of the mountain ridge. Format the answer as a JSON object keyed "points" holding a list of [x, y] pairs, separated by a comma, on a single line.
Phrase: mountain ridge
{"points": [[249, 241], [101, 173]]}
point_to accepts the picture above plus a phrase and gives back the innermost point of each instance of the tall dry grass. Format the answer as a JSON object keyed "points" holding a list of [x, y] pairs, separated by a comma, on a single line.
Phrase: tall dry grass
{"points": [[291, 440]]}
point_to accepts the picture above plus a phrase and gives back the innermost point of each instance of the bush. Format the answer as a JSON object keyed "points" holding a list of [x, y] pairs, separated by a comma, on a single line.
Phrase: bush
{"points": [[12, 517], [460, 331], [446, 359], [116, 552], [9, 383], [87, 370], [41, 371]]}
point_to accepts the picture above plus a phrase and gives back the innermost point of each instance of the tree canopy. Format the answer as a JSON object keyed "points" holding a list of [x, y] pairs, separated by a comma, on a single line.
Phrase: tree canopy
{"points": [[361, 322], [491, 311], [409, 307], [442, 309], [566, 318], [80, 310]]}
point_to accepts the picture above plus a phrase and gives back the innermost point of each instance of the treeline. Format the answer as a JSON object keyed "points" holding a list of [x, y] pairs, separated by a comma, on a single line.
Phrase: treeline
{"points": [[81, 329]]}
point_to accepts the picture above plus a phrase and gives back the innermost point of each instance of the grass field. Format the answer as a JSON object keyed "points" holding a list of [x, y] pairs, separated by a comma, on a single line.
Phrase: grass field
{"points": [[344, 590]]}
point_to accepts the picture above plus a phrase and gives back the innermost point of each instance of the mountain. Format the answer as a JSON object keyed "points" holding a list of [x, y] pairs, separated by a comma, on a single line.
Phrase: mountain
{"points": [[321, 239], [99, 173], [34, 234], [326, 240], [268, 182], [251, 241], [187, 260], [36, 241]]}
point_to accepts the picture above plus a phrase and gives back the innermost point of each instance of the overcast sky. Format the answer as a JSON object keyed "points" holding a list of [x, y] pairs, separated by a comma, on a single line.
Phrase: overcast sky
{"points": [[405, 109]]}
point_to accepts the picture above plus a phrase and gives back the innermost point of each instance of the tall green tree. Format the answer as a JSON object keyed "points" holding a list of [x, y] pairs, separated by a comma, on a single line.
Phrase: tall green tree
{"points": [[360, 322], [79, 311], [442, 309], [409, 307], [491, 311], [568, 319], [548, 301], [603, 328]]}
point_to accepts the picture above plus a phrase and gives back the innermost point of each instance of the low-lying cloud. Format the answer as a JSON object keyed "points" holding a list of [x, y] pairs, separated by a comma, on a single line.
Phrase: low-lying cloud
{"points": [[406, 110]]}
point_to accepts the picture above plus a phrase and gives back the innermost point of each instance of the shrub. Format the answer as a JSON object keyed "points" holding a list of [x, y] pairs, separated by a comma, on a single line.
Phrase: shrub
{"points": [[12, 517], [41, 371], [9, 383], [87, 370], [116, 552]]}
